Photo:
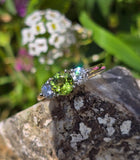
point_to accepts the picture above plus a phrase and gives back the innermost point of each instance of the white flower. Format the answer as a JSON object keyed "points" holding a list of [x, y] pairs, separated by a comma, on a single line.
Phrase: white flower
{"points": [[50, 61], [58, 23], [70, 39], [27, 36], [33, 50], [53, 27], [41, 44], [53, 54], [42, 60], [33, 18], [65, 23], [52, 14], [56, 40], [56, 53], [78, 28], [33, 70], [38, 28], [95, 57], [84, 33]]}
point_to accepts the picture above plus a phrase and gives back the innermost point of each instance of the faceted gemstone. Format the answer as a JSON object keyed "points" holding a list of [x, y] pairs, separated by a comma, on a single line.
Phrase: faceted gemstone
{"points": [[62, 83], [47, 91], [78, 74]]}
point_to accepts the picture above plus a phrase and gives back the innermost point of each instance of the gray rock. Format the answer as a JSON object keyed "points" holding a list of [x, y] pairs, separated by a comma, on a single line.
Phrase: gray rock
{"points": [[98, 121], [119, 86]]}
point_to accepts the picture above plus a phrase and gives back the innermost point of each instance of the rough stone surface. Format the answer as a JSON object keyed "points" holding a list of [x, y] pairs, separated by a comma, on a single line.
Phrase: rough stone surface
{"points": [[98, 121]]}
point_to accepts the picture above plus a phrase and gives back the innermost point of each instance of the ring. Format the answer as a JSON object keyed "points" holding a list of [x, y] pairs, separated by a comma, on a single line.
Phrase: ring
{"points": [[63, 83]]}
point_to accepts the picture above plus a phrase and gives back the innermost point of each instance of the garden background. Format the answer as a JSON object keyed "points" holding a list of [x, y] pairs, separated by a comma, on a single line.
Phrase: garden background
{"points": [[109, 33]]}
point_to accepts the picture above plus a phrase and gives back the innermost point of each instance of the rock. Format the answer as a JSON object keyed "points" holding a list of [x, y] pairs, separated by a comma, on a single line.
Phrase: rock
{"points": [[97, 121]]}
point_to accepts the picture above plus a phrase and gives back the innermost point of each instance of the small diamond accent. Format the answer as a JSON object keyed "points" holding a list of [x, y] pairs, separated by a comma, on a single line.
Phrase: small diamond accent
{"points": [[47, 91], [79, 75]]}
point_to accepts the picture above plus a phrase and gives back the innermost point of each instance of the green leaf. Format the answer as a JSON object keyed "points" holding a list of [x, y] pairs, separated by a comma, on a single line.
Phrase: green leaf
{"points": [[32, 5], [61, 5], [16, 94], [10, 6], [111, 43], [104, 6], [5, 80], [41, 75], [131, 40], [90, 4], [4, 39], [87, 5]]}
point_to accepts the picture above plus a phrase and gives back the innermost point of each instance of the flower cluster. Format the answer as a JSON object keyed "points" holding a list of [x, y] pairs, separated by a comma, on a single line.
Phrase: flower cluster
{"points": [[50, 32]]}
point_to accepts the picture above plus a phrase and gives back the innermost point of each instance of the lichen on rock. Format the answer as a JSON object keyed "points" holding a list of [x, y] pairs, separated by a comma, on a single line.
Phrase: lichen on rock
{"points": [[95, 122]]}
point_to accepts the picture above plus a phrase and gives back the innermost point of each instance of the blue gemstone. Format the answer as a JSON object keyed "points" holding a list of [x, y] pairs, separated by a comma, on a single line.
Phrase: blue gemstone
{"points": [[47, 91]]}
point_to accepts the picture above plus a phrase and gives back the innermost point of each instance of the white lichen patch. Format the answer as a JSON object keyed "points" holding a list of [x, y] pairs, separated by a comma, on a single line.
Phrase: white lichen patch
{"points": [[68, 111], [125, 127], [35, 120], [84, 134], [47, 122], [104, 156], [78, 103], [110, 130], [107, 139], [95, 110], [101, 109], [108, 122], [75, 138], [85, 131], [37, 141], [26, 130]]}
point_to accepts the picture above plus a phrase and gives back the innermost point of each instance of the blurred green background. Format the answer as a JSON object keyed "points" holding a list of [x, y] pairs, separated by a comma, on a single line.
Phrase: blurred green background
{"points": [[115, 25]]}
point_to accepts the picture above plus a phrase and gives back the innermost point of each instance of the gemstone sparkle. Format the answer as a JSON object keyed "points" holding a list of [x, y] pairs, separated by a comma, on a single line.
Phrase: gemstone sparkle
{"points": [[79, 75], [62, 83], [47, 91]]}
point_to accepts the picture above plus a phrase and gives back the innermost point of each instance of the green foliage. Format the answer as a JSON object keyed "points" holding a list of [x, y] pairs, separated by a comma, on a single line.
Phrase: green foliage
{"points": [[111, 44], [89, 5], [33, 4], [9, 4], [131, 40], [41, 75], [61, 5], [104, 6], [4, 39], [115, 26], [5, 80]]}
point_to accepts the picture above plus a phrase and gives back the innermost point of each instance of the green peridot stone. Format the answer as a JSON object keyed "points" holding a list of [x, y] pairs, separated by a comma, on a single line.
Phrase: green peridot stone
{"points": [[62, 83]]}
